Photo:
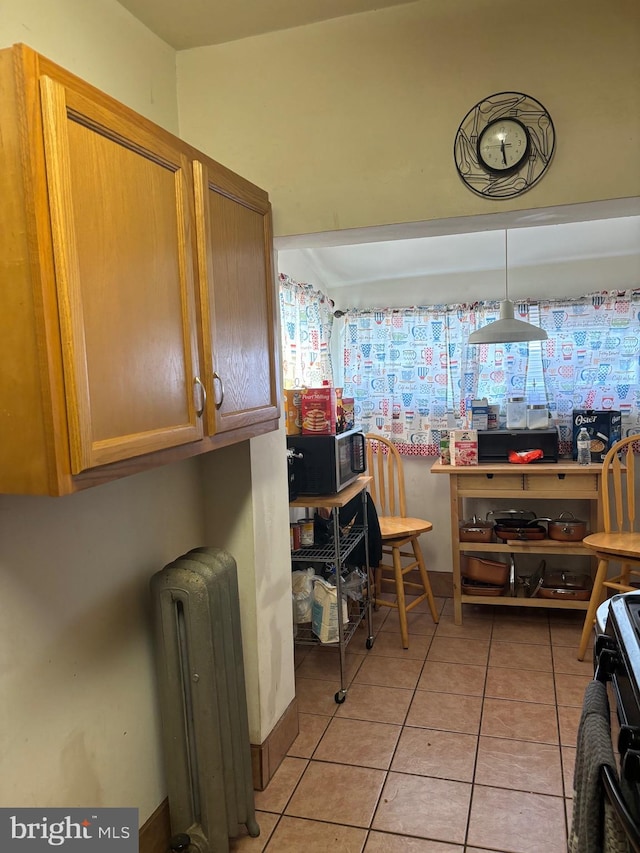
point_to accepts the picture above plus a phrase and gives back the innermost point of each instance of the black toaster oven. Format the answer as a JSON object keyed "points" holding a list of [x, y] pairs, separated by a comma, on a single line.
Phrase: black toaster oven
{"points": [[494, 444]]}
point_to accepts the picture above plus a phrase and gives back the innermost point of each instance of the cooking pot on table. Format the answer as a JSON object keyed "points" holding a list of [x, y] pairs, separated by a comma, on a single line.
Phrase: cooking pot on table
{"points": [[567, 528]]}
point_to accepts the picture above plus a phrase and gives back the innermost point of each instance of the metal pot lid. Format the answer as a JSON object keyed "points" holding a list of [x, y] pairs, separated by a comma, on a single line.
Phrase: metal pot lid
{"points": [[511, 513], [536, 580], [567, 519]]}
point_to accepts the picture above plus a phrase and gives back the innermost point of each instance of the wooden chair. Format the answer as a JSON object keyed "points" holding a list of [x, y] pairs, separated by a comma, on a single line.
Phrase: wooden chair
{"points": [[398, 530], [618, 542]]}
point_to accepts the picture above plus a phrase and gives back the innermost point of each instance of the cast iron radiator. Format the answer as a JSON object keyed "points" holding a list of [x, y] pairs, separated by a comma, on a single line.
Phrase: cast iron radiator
{"points": [[203, 702]]}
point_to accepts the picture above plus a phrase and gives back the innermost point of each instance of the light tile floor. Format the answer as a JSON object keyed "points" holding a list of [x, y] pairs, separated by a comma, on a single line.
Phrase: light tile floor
{"points": [[463, 743]]}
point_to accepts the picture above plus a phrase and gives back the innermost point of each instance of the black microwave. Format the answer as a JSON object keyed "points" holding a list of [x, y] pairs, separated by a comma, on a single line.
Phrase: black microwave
{"points": [[325, 464]]}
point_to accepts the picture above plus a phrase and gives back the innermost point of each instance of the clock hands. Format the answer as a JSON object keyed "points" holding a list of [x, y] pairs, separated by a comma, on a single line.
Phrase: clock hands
{"points": [[504, 155]]}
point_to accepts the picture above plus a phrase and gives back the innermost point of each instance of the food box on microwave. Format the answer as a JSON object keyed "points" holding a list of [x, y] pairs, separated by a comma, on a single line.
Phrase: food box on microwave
{"points": [[293, 411], [604, 428], [319, 411], [348, 413], [463, 446]]}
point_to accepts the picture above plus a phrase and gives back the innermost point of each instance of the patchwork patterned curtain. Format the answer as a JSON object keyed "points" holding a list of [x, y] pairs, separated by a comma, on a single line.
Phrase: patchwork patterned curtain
{"points": [[307, 319], [412, 373]]}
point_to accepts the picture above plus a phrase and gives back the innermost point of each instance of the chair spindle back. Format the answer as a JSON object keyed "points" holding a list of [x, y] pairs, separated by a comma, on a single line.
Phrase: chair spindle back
{"points": [[618, 491], [384, 464]]}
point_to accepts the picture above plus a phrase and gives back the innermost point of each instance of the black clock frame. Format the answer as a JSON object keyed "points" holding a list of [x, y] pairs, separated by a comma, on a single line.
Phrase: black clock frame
{"points": [[502, 184]]}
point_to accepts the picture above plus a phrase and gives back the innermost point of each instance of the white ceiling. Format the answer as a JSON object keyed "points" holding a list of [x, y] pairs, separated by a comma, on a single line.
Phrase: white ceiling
{"points": [[193, 23], [564, 251]]}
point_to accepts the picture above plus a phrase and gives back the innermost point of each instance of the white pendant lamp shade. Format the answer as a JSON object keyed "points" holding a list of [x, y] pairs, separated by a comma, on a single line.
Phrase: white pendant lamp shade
{"points": [[507, 329]]}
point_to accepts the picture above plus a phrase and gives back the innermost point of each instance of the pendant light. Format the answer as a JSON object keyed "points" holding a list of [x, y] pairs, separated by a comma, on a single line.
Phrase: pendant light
{"points": [[507, 329]]}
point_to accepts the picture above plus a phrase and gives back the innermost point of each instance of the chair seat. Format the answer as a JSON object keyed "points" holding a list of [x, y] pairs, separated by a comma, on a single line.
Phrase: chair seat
{"points": [[623, 545], [396, 527]]}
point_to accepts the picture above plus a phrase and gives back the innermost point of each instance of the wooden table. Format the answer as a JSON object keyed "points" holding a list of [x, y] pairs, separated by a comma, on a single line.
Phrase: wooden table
{"points": [[563, 480]]}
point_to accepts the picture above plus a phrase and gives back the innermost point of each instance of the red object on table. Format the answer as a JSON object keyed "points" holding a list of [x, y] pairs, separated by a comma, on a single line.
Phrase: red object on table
{"points": [[524, 456]]}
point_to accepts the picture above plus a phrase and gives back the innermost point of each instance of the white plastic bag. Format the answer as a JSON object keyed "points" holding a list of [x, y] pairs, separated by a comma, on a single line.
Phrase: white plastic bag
{"points": [[302, 592]]}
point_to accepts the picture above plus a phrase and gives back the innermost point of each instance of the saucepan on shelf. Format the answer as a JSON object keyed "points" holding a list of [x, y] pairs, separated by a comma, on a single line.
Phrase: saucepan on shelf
{"points": [[476, 530], [562, 585], [516, 524], [567, 528]]}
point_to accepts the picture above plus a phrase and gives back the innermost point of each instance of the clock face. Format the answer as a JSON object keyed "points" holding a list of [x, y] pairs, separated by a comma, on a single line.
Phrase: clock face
{"points": [[504, 145]]}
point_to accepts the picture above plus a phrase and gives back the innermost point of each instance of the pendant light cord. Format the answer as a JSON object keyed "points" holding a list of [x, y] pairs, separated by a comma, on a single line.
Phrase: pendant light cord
{"points": [[506, 265]]}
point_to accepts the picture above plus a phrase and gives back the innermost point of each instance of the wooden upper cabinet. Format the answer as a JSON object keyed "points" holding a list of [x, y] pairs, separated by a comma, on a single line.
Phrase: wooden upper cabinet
{"points": [[137, 308], [237, 299], [120, 204]]}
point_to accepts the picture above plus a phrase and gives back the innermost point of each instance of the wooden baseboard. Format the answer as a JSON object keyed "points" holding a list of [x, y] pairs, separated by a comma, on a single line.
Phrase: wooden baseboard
{"points": [[155, 835], [267, 757]]}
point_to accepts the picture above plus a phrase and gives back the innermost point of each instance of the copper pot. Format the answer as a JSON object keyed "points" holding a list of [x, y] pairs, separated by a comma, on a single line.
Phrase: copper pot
{"points": [[476, 531], [567, 528]]}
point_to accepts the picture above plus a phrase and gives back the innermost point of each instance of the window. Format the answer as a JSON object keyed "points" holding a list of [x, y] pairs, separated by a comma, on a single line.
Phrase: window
{"points": [[412, 373]]}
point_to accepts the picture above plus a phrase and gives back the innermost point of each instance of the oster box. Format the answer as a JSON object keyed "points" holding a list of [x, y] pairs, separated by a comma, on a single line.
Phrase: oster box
{"points": [[319, 411], [604, 428]]}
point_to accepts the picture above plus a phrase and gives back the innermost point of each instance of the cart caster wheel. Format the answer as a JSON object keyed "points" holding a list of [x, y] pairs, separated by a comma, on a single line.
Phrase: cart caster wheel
{"points": [[340, 697], [369, 643]]}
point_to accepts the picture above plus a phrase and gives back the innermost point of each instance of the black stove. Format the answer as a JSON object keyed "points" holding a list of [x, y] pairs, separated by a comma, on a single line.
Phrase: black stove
{"points": [[617, 660]]}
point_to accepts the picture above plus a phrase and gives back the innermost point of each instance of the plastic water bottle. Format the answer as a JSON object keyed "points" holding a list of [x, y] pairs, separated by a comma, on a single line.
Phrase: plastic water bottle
{"points": [[583, 443]]}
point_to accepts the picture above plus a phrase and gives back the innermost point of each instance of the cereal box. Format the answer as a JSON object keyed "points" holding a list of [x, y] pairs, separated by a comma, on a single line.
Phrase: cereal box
{"points": [[348, 412], [293, 411], [463, 446], [319, 411], [445, 453]]}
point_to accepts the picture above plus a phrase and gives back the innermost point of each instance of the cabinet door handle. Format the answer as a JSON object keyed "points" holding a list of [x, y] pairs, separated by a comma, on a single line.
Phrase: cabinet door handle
{"points": [[198, 381], [221, 400]]}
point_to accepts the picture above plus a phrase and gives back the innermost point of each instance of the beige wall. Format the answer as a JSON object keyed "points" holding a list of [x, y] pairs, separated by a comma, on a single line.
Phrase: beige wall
{"points": [[104, 44], [247, 513], [80, 723], [77, 689], [351, 122]]}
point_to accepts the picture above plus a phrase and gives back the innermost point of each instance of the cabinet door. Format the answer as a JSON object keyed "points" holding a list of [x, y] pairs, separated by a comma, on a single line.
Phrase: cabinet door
{"points": [[237, 299], [120, 202]]}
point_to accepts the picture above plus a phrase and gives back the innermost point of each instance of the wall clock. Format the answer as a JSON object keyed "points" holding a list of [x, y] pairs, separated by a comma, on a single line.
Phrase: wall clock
{"points": [[504, 145]]}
